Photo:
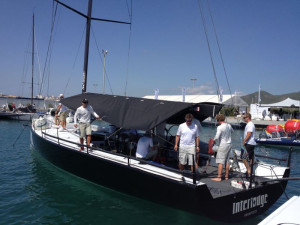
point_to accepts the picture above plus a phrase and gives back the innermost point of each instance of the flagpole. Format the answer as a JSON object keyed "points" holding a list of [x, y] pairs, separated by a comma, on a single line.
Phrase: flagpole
{"points": [[156, 91], [183, 94], [258, 100], [221, 95]]}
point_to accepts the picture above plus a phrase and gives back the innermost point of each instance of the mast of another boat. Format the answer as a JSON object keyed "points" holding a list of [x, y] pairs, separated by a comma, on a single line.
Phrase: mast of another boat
{"points": [[32, 69]]}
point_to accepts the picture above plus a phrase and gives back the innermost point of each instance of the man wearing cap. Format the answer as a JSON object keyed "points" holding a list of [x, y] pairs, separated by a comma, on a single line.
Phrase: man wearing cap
{"points": [[61, 114], [83, 114]]}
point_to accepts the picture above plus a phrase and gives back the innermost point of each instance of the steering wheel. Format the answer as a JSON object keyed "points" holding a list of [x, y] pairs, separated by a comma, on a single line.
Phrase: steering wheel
{"points": [[171, 136]]}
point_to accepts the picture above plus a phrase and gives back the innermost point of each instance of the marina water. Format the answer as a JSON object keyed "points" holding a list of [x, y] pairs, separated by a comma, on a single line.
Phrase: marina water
{"points": [[33, 191]]}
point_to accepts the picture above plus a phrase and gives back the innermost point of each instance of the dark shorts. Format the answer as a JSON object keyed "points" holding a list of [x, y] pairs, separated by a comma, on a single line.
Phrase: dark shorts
{"points": [[250, 151]]}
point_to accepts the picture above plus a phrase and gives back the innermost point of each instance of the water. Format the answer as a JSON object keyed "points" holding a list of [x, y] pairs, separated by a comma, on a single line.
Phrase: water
{"points": [[33, 191]]}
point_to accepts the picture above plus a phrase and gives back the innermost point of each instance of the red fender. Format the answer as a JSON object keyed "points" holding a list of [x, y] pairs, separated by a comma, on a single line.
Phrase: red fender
{"points": [[210, 145], [292, 125]]}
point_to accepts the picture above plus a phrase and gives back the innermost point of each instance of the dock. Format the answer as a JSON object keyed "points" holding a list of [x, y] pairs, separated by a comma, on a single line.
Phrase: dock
{"points": [[288, 213], [237, 122]]}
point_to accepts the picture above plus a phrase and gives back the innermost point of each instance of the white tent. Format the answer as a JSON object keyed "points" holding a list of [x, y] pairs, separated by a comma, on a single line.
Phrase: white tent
{"points": [[257, 110], [190, 98], [285, 103]]}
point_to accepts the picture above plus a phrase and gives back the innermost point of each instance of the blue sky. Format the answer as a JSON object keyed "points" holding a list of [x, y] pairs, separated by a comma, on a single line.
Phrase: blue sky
{"points": [[259, 39]]}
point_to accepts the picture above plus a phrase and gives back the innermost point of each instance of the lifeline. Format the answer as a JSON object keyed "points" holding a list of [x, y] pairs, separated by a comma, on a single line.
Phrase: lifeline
{"points": [[250, 203]]}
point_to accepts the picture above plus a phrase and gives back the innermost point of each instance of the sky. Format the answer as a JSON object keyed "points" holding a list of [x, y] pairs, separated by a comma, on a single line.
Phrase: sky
{"points": [[164, 48]]}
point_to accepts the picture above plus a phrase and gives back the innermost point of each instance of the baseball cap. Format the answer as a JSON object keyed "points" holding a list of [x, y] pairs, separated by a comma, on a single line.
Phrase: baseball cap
{"points": [[85, 101]]}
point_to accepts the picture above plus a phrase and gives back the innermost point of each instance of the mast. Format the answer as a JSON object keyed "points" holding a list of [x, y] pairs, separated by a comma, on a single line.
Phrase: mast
{"points": [[87, 46], [103, 80], [32, 69], [89, 18]]}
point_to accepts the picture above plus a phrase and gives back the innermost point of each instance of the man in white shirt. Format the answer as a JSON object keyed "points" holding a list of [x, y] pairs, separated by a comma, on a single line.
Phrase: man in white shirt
{"points": [[145, 148], [223, 135], [188, 135], [83, 114], [249, 142]]}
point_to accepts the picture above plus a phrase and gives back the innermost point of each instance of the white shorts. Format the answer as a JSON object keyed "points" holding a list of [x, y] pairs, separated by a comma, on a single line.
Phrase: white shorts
{"points": [[223, 153], [186, 153]]}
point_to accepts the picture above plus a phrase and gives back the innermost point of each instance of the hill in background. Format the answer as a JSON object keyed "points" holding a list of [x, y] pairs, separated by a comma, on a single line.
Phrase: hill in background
{"points": [[267, 98]]}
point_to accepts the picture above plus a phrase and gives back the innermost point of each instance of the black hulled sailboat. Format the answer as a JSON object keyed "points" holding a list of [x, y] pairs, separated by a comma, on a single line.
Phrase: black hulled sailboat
{"points": [[110, 162]]}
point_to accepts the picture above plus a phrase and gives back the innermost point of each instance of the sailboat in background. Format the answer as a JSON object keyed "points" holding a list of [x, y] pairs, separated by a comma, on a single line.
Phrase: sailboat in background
{"points": [[23, 112], [110, 163]]}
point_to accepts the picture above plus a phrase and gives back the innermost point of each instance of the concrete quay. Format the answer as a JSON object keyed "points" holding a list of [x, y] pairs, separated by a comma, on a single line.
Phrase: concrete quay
{"points": [[237, 122]]}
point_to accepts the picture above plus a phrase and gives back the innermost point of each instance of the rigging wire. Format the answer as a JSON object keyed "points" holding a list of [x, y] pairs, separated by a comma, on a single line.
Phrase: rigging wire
{"points": [[26, 63], [25, 66], [49, 47], [50, 57], [38, 61], [219, 48], [209, 48], [105, 73], [129, 45], [76, 57]]}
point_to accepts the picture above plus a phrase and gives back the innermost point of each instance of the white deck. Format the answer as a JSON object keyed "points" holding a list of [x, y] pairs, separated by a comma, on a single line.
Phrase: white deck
{"points": [[288, 213], [72, 136], [261, 169]]}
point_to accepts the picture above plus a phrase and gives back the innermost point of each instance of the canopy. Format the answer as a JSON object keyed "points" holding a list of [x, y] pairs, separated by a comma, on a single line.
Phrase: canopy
{"points": [[232, 100], [285, 103], [141, 113], [191, 98]]}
